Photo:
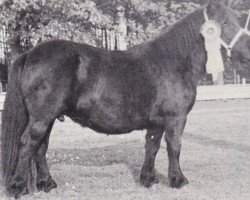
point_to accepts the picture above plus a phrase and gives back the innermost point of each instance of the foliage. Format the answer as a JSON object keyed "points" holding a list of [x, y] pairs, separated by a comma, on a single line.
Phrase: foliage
{"points": [[74, 20], [148, 17], [42, 20]]}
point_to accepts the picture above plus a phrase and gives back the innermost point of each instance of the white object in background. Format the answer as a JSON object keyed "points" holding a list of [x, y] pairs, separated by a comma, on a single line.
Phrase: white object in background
{"points": [[122, 28], [211, 32], [238, 79], [243, 81]]}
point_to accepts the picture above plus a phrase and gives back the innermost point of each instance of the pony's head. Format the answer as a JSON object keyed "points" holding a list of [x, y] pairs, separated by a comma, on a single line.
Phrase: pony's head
{"points": [[234, 37]]}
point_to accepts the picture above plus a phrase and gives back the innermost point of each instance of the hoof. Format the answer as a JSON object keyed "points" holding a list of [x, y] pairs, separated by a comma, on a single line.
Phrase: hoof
{"points": [[17, 188], [178, 181], [148, 181], [46, 185]]}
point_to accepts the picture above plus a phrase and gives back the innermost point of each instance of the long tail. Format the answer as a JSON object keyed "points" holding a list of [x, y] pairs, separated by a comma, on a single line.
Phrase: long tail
{"points": [[14, 121]]}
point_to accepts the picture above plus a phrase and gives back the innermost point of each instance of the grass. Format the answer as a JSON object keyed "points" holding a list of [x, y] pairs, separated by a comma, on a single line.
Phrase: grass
{"points": [[215, 159]]}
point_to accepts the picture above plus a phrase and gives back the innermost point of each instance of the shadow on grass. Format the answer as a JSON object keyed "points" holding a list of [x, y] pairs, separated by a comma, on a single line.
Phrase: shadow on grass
{"points": [[222, 144], [130, 153]]}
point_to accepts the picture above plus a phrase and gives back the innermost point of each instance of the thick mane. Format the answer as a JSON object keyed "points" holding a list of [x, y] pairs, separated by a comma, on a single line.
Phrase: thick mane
{"points": [[176, 41], [180, 38]]}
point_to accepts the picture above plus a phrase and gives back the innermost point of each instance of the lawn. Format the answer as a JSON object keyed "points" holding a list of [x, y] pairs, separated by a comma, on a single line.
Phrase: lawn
{"points": [[215, 159]]}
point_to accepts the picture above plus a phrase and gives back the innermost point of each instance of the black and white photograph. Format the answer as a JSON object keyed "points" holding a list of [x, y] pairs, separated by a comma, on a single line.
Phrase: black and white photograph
{"points": [[125, 99]]}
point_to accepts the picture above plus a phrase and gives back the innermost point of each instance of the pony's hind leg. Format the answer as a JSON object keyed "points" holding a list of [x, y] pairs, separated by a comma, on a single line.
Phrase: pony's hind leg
{"points": [[30, 142], [174, 130], [153, 141], [44, 181]]}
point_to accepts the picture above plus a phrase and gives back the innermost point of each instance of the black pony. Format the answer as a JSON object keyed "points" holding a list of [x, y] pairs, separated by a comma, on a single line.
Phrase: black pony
{"points": [[151, 86]]}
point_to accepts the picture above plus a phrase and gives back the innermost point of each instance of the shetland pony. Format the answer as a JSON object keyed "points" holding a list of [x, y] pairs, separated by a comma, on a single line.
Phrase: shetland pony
{"points": [[150, 86]]}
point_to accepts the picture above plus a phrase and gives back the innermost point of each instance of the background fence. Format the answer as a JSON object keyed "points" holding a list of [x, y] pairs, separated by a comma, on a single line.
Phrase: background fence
{"points": [[4, 58]]}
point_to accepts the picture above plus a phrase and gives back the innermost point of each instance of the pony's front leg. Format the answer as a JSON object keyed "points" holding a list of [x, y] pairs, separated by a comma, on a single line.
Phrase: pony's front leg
{"points": [[44, 181], [153, 141], [174, 129], [30, 142]]}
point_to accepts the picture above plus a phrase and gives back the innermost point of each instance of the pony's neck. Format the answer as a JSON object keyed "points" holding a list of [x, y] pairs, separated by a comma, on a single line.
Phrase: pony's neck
{"points": [[182, 48], [181, 38]]}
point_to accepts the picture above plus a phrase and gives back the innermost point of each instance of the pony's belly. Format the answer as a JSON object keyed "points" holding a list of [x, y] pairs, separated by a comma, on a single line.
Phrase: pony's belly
{"points": [[113, 128], [109, 121]]}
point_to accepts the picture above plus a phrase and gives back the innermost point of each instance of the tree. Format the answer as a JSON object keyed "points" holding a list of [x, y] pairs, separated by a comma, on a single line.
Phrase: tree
{"points": [[147, 18], [29, 21]]}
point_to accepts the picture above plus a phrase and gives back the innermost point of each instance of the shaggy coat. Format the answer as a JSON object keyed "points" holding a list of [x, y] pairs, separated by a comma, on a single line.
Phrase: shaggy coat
{"points": [[150, 86]]}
